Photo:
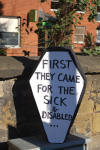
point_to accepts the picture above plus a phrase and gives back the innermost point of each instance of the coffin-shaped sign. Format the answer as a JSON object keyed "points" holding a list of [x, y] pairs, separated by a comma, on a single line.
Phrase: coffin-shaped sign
{"points": [[58, 85]]}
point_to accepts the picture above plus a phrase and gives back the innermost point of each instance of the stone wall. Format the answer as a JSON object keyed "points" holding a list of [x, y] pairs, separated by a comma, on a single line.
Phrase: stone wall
{"points": [[87, 121], [18, 112]]}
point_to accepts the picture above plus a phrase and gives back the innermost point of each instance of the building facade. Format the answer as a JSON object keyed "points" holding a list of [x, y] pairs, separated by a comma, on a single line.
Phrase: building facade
{"points": [[18, 24], [18, 19], [84, 29]]}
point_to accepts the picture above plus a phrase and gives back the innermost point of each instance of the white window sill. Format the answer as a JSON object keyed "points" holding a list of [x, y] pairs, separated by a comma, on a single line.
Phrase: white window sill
{"points": [[97, 21], [78, 42], [98, 42], [82, 12], [9, 46], [53, 9]]}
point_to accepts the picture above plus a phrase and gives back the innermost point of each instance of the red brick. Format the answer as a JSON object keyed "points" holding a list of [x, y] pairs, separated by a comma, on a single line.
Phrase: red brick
{"points": [[90, 28], [29, 42]]}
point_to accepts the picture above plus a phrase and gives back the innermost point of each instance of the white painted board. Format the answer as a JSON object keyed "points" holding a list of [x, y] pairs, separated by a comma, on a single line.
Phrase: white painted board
{"points": [[57, 85]]}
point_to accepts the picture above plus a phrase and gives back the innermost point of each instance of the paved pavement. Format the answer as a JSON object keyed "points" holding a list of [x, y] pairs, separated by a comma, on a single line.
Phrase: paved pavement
{"points": [[95, 143]]}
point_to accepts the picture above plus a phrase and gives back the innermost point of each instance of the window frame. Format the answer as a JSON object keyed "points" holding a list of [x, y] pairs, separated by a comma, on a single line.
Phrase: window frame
{"points": [[98, 13], [19, 23], [57, 1], [79, 42], [97, 31]]}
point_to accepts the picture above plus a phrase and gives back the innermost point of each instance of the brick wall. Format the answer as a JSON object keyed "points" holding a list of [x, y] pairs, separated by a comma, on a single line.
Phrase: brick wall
{"points": [[21, 8], [90, 27]]}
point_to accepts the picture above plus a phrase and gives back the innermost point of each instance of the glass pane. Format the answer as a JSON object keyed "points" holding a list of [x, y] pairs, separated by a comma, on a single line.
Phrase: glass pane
{"points": [[98, 8], [54, 5], [80, 30], [79, 38], [98, 17], [8, 38], [98, 38], [98, 32]]}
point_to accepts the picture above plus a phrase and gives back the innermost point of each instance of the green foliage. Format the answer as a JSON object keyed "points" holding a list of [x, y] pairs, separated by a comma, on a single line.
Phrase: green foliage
{"points": [[43, 1], [87, 51], [89, 40], [60, 31], [90, 47], [92, 51], [81, 5], [93, 9], [2, 52], [96, 51]]}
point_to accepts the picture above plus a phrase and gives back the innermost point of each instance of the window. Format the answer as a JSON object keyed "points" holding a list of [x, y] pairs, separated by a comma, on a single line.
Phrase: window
{"points": [[98, 14], [33, 15], [43, 1], [98, 36], [80, 7], [54, 5], [79, 34], [9, 32]]}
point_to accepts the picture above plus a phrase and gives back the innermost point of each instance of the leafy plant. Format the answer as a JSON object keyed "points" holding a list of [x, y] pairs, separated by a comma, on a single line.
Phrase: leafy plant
{"points": [[90, 47], [87, 51], [89, 40], [96, 51], [60, 31], [92, 52], [2, 52], [43, 1]]}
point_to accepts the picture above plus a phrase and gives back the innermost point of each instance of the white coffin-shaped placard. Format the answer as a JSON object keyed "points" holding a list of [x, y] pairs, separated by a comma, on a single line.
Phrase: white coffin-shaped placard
{"points": [[58, 85]]}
